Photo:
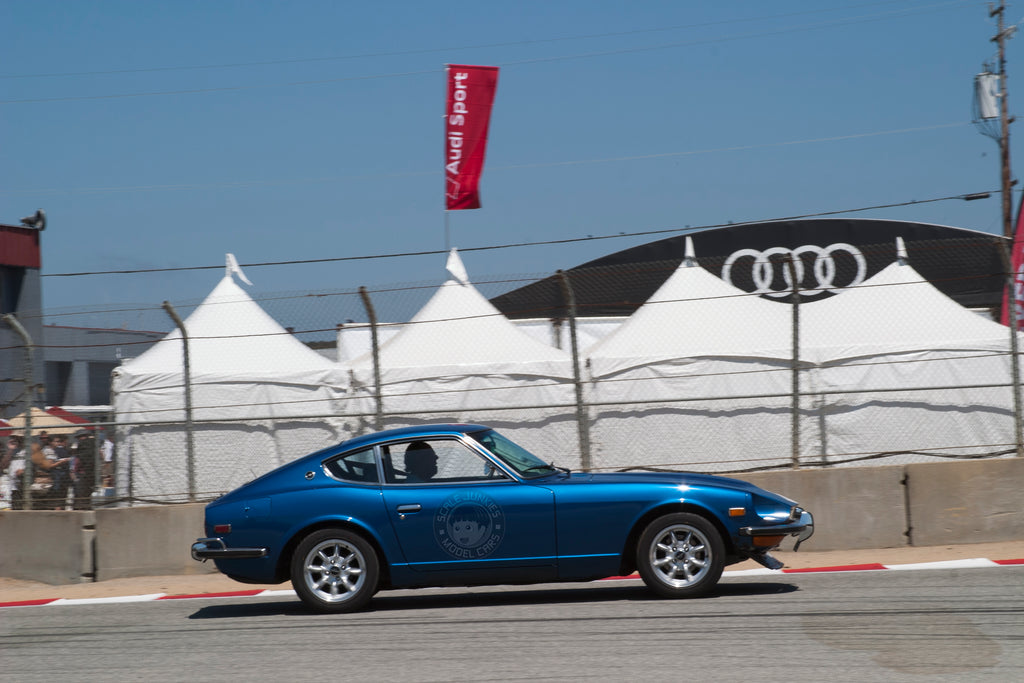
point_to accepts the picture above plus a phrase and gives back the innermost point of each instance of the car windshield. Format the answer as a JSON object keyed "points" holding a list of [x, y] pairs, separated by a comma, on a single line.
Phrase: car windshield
{"points": [[512, 454]]}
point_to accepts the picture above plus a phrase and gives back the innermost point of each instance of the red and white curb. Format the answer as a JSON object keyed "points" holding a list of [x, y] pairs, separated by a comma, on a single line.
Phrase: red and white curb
{"points": [[975, 563], [146, 598]]}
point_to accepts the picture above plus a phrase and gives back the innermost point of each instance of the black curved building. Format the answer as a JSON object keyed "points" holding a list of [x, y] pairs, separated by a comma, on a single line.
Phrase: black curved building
{"points": [[830, 254]]}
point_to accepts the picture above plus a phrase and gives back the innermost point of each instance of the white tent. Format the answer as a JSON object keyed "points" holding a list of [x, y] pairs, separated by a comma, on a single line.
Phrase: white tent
{"points": [[701, 376], [460, 359], [928, 373], [260, 398], [695, 377]]}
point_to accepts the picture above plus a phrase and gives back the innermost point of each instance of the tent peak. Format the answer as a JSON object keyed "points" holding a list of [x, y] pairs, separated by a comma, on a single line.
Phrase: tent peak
{"points": [[901, 252], [690, 259], [455, 267], [232, 268]]}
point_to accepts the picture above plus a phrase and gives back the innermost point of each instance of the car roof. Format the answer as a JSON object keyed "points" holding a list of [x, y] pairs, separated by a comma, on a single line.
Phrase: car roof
{"points": [[422, 431], [425, 431]]}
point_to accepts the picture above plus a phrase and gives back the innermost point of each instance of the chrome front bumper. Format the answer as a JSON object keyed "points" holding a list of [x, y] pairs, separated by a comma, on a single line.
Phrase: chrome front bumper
{"points": [[214, 549], [800, 523]]}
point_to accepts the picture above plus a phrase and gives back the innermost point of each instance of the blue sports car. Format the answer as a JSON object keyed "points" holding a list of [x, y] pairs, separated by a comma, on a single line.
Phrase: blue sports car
{"points": [[461, 505]]}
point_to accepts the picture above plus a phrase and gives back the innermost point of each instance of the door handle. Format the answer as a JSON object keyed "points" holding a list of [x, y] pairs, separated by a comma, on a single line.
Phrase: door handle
{"points": [[412, 507]]}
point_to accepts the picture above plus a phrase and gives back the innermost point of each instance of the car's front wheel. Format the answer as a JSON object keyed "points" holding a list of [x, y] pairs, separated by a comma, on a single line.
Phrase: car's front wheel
{"points": [[680, 555], [334, 570]]}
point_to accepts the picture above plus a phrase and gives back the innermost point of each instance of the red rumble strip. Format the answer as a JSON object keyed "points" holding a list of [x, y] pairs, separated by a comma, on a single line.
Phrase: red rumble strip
{"points": [[841, 568], [231, 594], [28, 603], [873, 566]]}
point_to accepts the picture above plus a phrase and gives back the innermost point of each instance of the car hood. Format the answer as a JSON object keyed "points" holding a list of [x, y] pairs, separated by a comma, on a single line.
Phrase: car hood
{"points": [[672, 479]]}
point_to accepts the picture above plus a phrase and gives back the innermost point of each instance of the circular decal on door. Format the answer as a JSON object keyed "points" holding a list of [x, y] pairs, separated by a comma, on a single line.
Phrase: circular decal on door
{"points": [[469, 525]]}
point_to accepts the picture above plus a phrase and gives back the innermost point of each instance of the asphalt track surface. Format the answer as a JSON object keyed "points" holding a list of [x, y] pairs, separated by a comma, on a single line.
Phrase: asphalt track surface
{"points": [[206, 581], [925, 623], [933, 624]]}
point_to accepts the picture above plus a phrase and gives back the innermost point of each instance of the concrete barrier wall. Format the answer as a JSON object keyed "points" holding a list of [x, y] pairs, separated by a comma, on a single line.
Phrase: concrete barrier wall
{"points": [[853, 508], [870, 507], [966, 502], [51, 547], [148, 541]]}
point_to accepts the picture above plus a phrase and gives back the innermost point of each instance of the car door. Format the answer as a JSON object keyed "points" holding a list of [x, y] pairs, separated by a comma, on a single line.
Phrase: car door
{"points": [[462, 514]]}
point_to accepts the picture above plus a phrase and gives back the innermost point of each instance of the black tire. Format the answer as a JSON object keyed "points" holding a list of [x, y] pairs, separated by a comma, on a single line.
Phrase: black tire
{"points": [[334, 570], [680, 555]]}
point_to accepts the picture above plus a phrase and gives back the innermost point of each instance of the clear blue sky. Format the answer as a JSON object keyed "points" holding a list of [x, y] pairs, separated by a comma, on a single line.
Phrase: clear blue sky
{"points": [[164, 134]]}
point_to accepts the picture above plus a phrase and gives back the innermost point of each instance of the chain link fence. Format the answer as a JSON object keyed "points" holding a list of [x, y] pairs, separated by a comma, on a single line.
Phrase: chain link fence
{"points": [[681, 372]]}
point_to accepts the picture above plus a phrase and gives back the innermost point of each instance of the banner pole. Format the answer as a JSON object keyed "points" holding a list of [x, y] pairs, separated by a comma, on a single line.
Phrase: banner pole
{"points": [[447, 236]]}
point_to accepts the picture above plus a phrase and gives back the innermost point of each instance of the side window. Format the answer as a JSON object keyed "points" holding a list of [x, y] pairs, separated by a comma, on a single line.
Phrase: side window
{"points": [[437, 461], [358, 466]]}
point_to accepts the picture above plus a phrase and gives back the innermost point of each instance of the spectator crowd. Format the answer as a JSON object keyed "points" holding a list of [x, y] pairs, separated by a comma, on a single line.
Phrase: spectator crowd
{"points": [[53, 474]]}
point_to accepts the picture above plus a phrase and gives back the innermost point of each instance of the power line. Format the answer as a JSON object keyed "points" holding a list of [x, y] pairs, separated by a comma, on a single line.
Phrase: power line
{"points": [[399, 53], [588, 238], [648, 48], [492, 168]]}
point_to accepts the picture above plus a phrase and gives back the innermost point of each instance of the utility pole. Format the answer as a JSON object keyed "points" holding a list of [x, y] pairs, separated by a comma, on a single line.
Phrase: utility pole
{"points": [[1002, 35], [991, 109]]}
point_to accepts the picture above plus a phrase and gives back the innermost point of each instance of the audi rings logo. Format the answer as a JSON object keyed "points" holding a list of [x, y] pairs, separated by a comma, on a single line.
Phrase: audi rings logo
{"points": [[818, 270]]}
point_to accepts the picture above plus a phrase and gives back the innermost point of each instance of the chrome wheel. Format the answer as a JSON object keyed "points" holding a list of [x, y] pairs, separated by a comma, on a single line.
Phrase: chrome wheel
{"points": [[335, 570], [680, 556]]}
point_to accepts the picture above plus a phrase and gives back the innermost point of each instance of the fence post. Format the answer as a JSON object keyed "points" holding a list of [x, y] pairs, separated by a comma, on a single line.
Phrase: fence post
{"points": [[378, 419], [795, 299], [190, 461], [1011, 310], [582, 427], [27, 476]]}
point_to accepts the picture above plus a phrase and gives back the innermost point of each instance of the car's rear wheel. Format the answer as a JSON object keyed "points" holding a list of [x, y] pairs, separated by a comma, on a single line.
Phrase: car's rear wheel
{"points": [[680, 555], [335, 570]]}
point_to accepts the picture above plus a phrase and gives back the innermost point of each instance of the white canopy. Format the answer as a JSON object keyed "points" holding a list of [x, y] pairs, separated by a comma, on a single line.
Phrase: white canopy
{"points": [[231, 340], [694, 314], [461, 359], [702, 375], [918, 362], [459, 332], [695, 376], [260, 397], [895, 311]]}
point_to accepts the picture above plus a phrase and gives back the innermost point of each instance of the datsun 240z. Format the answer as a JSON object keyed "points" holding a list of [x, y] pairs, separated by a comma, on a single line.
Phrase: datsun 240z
{"points": [[462, 505]]}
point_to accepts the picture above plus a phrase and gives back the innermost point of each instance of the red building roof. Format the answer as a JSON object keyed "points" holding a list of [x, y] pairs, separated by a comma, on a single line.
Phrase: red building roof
{"points": [[19, 247]]}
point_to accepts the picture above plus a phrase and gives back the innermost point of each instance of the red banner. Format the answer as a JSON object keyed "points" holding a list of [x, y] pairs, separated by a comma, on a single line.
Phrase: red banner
{"points": [[467, 117], [1017, 264]]}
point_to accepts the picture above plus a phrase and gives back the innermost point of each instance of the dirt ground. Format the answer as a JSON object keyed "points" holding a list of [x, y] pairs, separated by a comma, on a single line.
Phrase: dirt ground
{"points": [[13, 590]]}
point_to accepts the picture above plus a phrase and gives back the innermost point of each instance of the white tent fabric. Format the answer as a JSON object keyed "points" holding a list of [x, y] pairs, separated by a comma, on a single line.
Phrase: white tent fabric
{"points": [[897, 331], [695, 314], [896, 310], [353, 340], [701, 376], [460, 359], [260, 398], [695, 376]]}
